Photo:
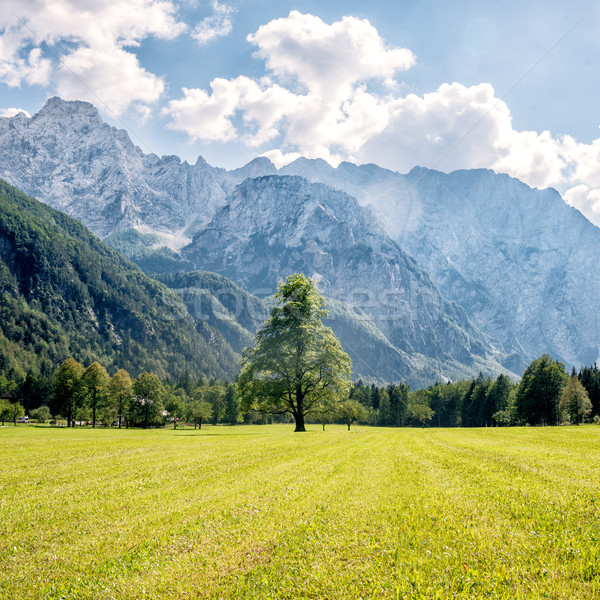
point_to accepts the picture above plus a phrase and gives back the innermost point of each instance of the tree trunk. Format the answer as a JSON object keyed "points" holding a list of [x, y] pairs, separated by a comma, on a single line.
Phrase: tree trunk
{"points": [[299, 416], [348, 426], [323, 426], [200, 424], [299, 412]]}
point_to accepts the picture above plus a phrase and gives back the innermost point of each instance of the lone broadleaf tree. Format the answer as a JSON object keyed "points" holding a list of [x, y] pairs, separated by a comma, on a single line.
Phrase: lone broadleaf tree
{"points": [[297, 364]]}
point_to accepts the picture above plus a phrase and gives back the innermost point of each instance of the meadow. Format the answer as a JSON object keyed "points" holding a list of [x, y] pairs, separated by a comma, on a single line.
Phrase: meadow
{"points": [[260, 512]]}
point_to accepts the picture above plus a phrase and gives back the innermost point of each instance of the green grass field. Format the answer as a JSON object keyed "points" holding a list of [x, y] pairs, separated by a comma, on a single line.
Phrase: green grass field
{"points": [[261, 512]]}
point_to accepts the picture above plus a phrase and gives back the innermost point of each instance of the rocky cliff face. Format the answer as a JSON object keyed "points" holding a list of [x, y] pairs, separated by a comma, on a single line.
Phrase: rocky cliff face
{"points": [[520, 261], [273, 226], [67, 157]]}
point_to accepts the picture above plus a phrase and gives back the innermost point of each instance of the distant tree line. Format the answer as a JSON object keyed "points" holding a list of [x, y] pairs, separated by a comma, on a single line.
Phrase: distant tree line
{"points": [[546, 395], [76, 394]]}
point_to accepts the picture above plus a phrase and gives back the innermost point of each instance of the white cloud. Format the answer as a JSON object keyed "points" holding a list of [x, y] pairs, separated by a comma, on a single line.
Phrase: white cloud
{"points": [[319, 102], [216, 26], [19, 64], [111, 78], [94, 30], [209, 116], [12, 112], [328, 59], [316, 97]]}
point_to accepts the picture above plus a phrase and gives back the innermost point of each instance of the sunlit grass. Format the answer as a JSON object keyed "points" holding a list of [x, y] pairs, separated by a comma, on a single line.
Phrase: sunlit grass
{"points": [[261, 512]]}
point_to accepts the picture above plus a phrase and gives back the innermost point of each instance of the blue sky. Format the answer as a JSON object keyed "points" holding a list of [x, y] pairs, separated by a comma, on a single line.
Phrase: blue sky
{"points": [[505, 85]]}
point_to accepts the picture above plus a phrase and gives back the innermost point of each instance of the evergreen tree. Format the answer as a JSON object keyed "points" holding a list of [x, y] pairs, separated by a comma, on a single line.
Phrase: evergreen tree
{"points": [[35, 390], [232, 405], [361, 393], [384, 414], [474, 408], [398, 395], [437, 401], [375, 399], [496, 399], [590, 379]]}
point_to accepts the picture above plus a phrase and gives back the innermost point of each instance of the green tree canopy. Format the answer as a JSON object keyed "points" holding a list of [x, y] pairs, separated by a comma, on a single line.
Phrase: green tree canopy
{"points": [[575, 402], [147, 402], [67, 389], [121, 391], [539, 391], [175, 404], [214, 394], [41, 414], [95, 382], [351, 411], [15, 410], [199, 411], [232, 405], [297, 363]]}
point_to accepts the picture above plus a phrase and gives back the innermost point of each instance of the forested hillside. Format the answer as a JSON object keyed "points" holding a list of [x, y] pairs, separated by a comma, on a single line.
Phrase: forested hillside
{"points": [[65, 293]]}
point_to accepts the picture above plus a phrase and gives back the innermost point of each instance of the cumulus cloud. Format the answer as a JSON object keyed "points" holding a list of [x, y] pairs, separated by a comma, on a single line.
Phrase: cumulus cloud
{"points": [[316, 94], [217, 25], [96, 58], [109, 77], [319, 101], [12, 112], [328, 59]]}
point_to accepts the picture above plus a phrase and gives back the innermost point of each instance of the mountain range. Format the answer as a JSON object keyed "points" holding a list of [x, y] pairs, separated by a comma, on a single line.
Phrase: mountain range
{"points": [[449, 273]]}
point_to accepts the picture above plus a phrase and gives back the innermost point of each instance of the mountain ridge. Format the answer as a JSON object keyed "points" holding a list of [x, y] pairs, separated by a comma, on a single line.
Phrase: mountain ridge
{"points": [[516, 260]]}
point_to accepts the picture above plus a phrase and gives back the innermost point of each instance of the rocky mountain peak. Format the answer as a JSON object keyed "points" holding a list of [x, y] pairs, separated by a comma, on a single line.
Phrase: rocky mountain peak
{"points": [[57, 110], [519, 261], [272, 226]]}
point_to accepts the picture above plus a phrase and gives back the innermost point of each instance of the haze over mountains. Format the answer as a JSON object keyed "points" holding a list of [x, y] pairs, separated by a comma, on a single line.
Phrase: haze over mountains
{"points": [[449, 272]]}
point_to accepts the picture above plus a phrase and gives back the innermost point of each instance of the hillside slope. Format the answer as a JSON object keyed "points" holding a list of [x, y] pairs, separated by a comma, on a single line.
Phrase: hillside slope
{"points": [[65, 293]]}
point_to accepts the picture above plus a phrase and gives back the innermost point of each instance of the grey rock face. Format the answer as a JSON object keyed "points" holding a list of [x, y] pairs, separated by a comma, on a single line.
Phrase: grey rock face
{"points": [[273, 226], [520, 261], [68, 158]]}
